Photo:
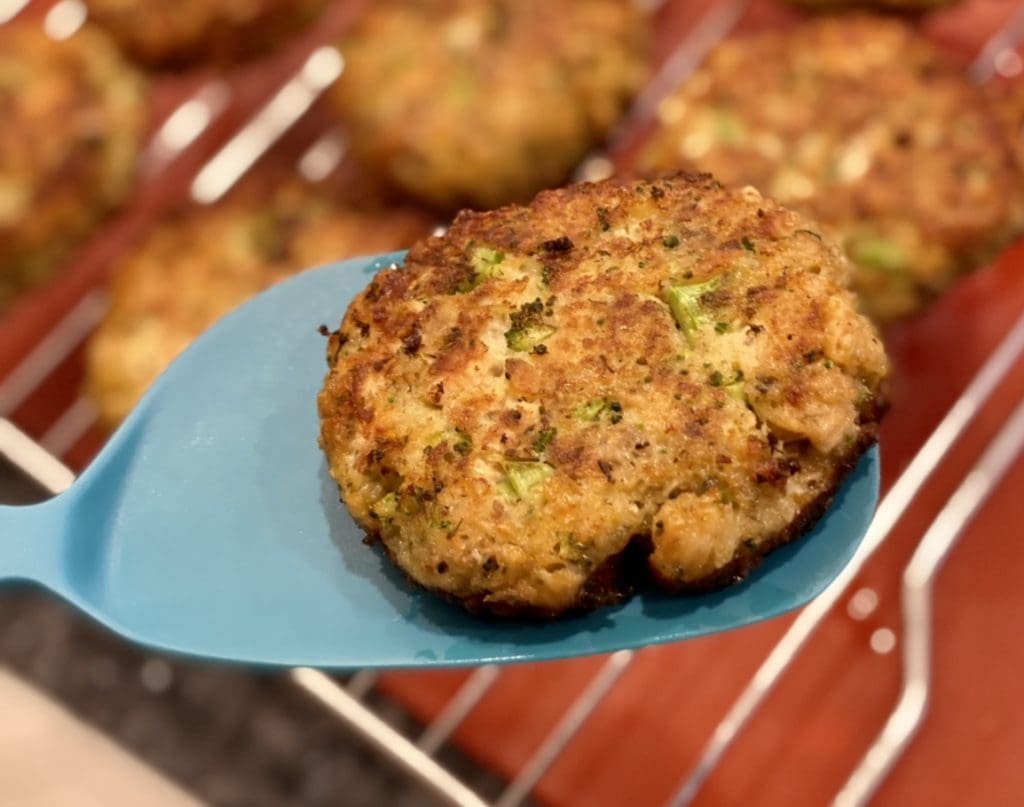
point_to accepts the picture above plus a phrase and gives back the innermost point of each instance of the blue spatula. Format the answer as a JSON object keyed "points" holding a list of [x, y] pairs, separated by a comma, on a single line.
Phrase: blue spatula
{"points": [[209, 525]]}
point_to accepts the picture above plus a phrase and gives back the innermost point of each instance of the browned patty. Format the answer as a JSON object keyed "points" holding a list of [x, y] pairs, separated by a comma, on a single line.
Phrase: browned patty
{"points": [[550, 403], [197, 267], [166, 33], [467, 103], [863, 125], [73, 115]]}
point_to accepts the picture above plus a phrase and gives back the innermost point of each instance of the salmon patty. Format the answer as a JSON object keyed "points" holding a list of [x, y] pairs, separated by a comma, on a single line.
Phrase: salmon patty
{"points": [[73, 116], [550, 404], [860, 123], [478, 104]]}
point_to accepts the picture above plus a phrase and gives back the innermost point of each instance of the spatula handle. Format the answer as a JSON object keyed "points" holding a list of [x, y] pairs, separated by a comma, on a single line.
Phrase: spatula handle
{"points": [[33, 541]]}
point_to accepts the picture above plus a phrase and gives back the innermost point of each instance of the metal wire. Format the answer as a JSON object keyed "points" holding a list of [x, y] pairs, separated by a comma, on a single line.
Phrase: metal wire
{"points": [[69, 428], [984, 67], [9, 9], [51, 351], [184, 126], [360, 684], [64, 18], [288, 105], [323, 156], [458, 708], [394, 745], [699, 41], [566, 728], [25, 453], [917, 593], [712, 28]]}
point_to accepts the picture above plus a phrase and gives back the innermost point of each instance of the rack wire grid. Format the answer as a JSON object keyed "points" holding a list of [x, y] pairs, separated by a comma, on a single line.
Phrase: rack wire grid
{"points": [[812, 708]]}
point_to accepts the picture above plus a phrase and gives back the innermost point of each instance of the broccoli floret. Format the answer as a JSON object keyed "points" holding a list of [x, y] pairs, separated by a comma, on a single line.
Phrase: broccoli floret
{"points": [[686, 306]]}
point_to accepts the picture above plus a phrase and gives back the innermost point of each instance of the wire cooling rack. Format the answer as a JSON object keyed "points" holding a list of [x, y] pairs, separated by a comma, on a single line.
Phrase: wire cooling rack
{"points": [[895, 685]]}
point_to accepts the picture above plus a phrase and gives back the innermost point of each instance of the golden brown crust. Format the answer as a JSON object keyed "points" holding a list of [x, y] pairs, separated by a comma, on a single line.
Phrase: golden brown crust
{"points": [[72, 122], [478, 104], [169, 33], [666, 370], [194, 269], [860, 123]]}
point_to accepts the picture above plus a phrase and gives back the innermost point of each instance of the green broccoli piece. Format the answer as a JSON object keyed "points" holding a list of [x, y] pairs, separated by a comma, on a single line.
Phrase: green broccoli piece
{"points": [[528, 329], [522, 477], [384, 508], [686, 306], [876, 252]]}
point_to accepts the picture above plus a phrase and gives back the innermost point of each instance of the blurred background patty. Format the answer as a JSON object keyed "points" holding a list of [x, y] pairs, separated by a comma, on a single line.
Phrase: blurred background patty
{"points": [[72, 124], [483, 103], [860, 123], [169, 33]]}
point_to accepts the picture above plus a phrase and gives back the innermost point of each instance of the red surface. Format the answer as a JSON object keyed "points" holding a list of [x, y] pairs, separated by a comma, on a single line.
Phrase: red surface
{"points": [[648, 732]]}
